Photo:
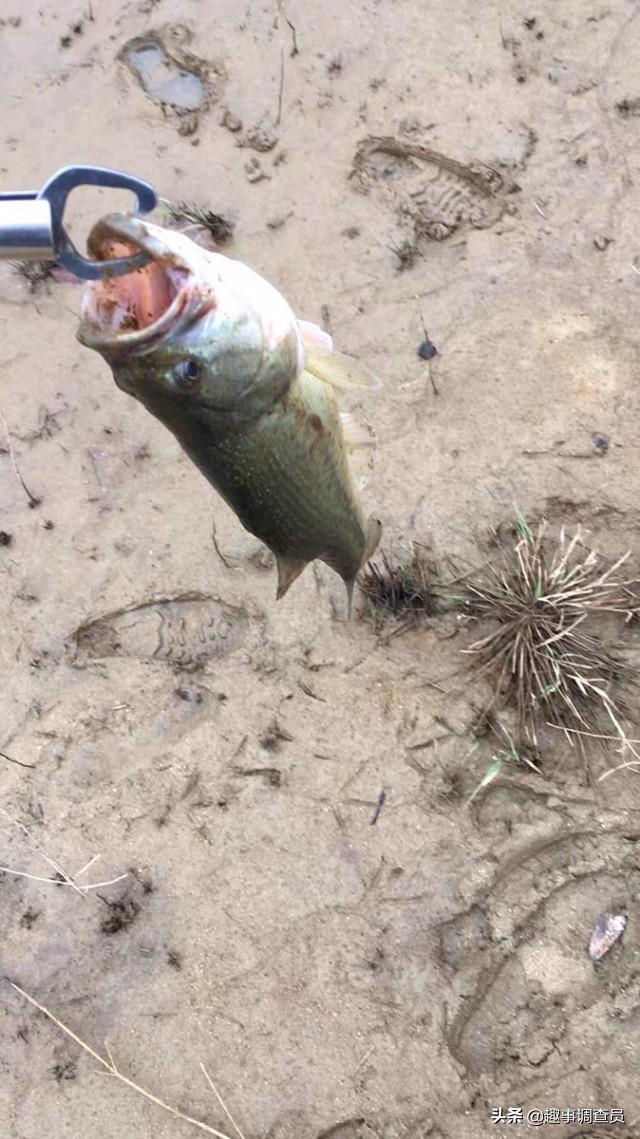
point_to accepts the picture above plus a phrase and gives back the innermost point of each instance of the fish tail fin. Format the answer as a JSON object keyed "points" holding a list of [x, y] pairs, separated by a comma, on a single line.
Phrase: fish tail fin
{"points": [[288, 570]]}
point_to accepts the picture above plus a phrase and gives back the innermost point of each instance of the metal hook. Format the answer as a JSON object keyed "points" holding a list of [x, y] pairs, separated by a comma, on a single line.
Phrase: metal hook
{"points": [[57, 190], [35, 232]]}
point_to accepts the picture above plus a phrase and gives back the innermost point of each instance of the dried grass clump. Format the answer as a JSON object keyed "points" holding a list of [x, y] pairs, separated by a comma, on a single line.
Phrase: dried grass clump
{"points": [[545, 655], [196, 217], [35, 273], [405, 590]]}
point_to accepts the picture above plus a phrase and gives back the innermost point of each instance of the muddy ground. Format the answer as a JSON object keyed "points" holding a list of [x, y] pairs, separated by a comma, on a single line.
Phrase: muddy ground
{"points": [[337, 978]]}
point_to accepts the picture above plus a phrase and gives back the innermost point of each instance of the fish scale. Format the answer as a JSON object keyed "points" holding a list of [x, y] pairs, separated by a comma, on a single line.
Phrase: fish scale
{"points": [[276, 506]]}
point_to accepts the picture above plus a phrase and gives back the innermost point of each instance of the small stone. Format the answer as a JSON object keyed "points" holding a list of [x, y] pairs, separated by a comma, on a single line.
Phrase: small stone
{"points": [[190, 695], [600, 442], [601, 242], [188, 124], [427, 350], [538, 1051], [410, 125], [231, 121], [261, 138], [254, 171], [608, 929], [277, 221]]}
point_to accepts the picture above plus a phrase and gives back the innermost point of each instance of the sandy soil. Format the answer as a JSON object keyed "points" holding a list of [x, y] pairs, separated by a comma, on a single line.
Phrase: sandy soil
{"points": [[337, 978]]}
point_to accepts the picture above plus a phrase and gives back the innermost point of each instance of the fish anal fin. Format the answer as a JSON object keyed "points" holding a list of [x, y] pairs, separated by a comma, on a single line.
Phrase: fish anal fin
{"points": [[288, 570]]}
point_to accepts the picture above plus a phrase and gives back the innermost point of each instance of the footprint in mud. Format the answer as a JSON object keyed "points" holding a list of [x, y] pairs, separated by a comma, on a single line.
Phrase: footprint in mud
{"points": [[169, 73], [531, 999], [185, 630], [434, 193], [162, 79]]}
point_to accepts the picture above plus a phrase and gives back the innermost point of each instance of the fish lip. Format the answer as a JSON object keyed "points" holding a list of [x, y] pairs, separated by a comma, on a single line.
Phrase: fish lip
{"points": [[147, 239], [136, 231]]}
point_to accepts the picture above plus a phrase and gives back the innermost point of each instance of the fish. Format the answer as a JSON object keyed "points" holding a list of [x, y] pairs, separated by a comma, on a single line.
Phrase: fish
{"points": [[251, 393]]}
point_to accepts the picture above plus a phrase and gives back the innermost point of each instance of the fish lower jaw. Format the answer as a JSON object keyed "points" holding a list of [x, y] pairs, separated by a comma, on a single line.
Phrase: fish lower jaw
{"points": [[134, 303]]}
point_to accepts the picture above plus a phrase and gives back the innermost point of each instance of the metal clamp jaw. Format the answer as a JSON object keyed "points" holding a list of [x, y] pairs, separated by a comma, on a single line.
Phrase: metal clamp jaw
{"points": [[31, 226]]}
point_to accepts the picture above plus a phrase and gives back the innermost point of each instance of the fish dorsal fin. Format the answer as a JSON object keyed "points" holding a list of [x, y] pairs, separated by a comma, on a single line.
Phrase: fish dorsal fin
{"points": [[360, 441], [321, 359]]}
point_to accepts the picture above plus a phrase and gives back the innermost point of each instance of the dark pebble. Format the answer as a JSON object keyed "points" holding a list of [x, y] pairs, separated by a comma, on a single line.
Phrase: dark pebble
{"points": [[427, 350]]}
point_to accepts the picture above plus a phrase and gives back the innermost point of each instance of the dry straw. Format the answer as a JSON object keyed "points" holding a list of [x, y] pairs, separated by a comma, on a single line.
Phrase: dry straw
{"points": [[111, 1069], [544, 654]]}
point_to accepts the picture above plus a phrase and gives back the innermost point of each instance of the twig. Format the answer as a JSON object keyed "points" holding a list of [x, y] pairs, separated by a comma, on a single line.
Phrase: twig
{"points": [[221, 1101], [294, 49], [111, 1069], [633, 764], [379, 805], [63, 878], [61, 882], [217, 549], [87, 865], [32, 499], [364, 1059], [281, 89], [40, 849], [18, 761]]}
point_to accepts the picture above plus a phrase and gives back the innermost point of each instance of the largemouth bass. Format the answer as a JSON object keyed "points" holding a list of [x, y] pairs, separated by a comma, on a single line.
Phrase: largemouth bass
{"points": [[216, 354]]}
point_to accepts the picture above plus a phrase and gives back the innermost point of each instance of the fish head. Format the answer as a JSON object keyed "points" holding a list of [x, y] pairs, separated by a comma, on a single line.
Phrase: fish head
{"points": [[192, 329]]}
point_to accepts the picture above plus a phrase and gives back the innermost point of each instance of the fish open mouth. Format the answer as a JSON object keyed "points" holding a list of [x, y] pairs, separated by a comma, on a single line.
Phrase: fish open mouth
{"points": [[142, 305]]}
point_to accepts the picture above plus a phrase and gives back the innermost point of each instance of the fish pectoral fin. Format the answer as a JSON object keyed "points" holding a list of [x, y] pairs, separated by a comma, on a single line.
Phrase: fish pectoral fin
{"points": [[288, 570], [360, 441], [315, 337], [336, 369]]}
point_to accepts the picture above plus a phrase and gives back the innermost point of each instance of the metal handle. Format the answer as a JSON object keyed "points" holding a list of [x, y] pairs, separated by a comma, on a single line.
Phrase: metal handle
{"points": [[26, 230], [31, 222]]}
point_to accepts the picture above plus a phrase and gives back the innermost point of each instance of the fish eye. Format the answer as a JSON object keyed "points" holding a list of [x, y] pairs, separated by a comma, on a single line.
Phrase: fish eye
{"points": [[187, 374]]}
